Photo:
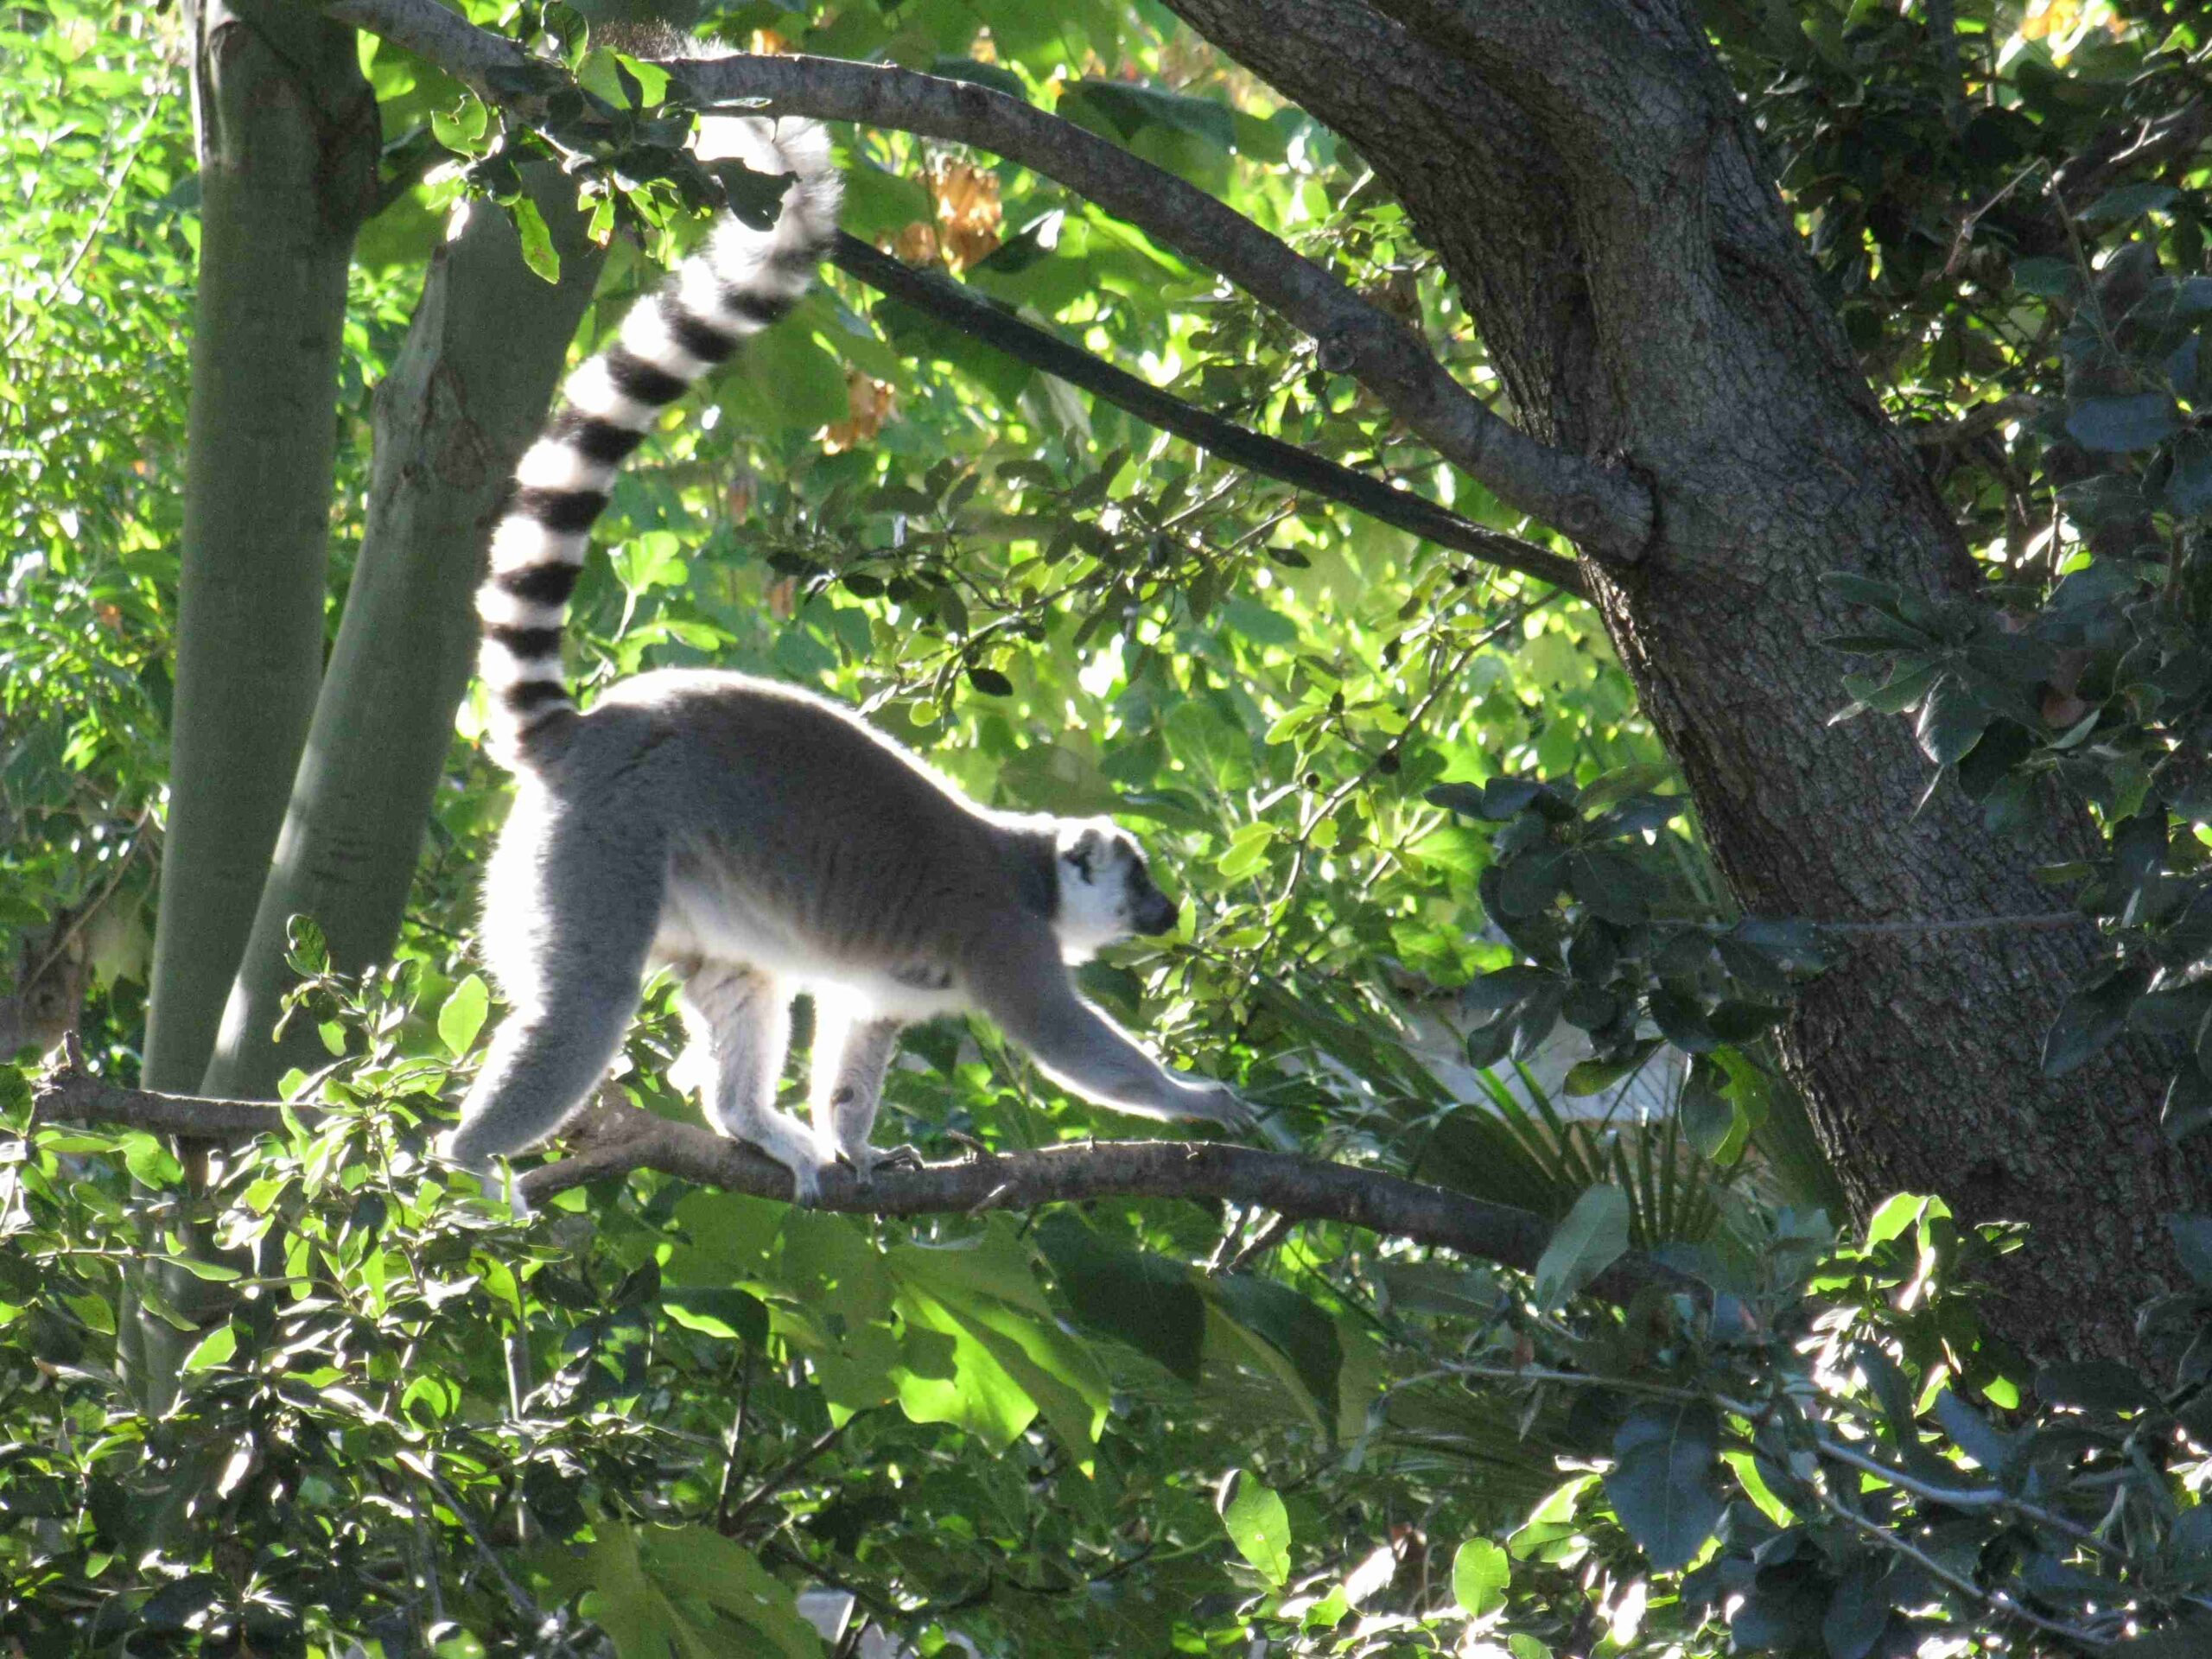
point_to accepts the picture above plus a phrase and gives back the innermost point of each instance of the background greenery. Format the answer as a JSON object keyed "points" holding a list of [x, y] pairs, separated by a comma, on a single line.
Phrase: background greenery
{"points": [[648, 1417]]}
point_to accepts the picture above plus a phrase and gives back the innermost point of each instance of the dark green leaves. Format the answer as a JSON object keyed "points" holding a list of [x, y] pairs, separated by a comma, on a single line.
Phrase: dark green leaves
{"points": [[2089, 1020], [2123, 424], [1661, 1482], [1147, 1301], [1592, 1238]]}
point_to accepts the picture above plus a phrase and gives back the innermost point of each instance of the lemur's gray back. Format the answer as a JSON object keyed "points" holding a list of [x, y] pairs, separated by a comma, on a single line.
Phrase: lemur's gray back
{"points": [[741, 775], [743, 280]]}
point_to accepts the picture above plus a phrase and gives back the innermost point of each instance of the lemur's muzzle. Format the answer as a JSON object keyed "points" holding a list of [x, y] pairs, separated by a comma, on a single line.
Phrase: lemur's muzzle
{"points": [[1156, 913]]}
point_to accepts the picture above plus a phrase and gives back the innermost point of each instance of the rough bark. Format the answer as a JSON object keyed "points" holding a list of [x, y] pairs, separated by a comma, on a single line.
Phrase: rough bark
{"points": [[467, 392], [289, 142], [1582, 169]]}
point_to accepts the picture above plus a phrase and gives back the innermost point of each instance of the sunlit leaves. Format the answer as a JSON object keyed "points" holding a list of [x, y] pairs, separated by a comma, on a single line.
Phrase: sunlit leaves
{"points": [[1257, 1523]]}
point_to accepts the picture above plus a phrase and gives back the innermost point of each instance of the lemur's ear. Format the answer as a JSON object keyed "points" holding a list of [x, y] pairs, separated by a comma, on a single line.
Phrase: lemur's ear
{"points": [[1084, 851]]}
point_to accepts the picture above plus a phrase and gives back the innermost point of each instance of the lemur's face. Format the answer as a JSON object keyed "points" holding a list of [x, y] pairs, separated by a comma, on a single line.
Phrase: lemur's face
{"points": [[1107, 893]]}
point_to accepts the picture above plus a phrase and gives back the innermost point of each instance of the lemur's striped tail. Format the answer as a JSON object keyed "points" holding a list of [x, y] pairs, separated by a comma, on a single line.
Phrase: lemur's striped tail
{"points": [[741, 282]]}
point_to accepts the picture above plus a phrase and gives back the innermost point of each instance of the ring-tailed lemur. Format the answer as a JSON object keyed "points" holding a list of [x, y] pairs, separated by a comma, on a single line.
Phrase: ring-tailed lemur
{"points": [[761, 840]]}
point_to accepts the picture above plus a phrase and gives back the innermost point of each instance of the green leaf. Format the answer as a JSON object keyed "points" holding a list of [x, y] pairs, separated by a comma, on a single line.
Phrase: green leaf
{"points": [[726, 1313], [213, 1272], [786, 382], [2189, 491], [2089, 1020], [306, 951], [698, 1565], [1611, 883], [1661, 1481], [1257, 1524], [462, 1016], [2193, 1243], [150, 1163], [1012, 1359], [2052, 279], [2130, 201], [1949, 722], [1858, 1613], [1480, 1573], [656, 1593], [1592, 1238], [1147, 1301], [213, 1349], [1610, 789], [997, 77], [2096, 1385], [600, 75], [1897, 1213], [1291, 1325], [2122, 425], [462, 130], [1131, 107], [1247, 850], [1709, 1118]]}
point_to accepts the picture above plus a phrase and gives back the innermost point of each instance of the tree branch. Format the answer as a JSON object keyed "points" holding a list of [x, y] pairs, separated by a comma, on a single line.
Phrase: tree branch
{"points": [[980, 318], [607, 1142], [1602, 507]]}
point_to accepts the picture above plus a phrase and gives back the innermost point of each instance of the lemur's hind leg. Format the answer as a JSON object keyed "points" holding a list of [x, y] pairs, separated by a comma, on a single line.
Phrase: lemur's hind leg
{"points": [[851, 1052], [740, 1022], [571, 970]]}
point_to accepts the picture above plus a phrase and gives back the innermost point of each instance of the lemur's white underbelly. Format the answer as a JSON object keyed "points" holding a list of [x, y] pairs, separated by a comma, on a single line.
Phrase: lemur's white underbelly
{"points": [[722, 925]]}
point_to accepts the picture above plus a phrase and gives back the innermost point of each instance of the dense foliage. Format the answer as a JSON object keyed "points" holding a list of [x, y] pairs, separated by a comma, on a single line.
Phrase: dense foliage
{"points": [[652, 1416]]}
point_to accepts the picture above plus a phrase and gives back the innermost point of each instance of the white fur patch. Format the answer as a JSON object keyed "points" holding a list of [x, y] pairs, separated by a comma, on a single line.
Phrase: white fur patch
{"points": [[518, 543], [501, 609], [501, 668], [592, 390], [550, 464], [1094, 908], [646, 335], [699, 291]]}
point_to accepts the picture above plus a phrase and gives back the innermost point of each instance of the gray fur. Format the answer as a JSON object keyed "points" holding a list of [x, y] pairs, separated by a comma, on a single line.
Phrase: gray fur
{"points": [[766, 841]]}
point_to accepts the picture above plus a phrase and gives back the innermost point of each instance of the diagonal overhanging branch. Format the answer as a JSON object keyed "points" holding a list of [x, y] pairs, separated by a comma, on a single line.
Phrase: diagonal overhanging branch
{"points": [[609, 1142], [1603, 508], [978, 318]]}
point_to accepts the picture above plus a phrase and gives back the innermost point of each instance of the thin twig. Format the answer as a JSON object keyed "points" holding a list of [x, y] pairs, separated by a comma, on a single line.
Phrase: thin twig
{"points": [[1270, 1235], [1995, 1601], [791, 1471], [516, 1593], [736, 1445], [1955, 925]]}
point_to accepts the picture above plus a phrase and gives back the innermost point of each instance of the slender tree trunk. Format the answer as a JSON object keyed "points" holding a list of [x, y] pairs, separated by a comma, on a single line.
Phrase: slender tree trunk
{"points": [[467, 392], [1583, 170], [288, 142]]}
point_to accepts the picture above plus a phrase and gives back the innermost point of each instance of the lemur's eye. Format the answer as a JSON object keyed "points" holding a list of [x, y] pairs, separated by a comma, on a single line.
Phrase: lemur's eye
{"points": [[1080, 857]]}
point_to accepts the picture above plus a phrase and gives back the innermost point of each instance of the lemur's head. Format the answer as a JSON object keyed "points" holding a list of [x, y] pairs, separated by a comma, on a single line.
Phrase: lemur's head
{"points": [[1106, 893]]}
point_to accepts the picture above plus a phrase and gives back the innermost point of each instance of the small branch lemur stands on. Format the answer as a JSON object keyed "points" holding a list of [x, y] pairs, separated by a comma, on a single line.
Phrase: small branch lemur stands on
{"points": [[761, 840]]}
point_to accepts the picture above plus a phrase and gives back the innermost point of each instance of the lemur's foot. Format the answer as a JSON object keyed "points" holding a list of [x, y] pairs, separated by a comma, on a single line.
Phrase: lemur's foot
{"points": [[873, 1158]]}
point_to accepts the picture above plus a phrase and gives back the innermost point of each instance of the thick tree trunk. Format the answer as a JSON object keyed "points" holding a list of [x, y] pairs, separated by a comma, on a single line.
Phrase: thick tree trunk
{"points": [[1582, 168], [469, 390], [288, 142]]}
